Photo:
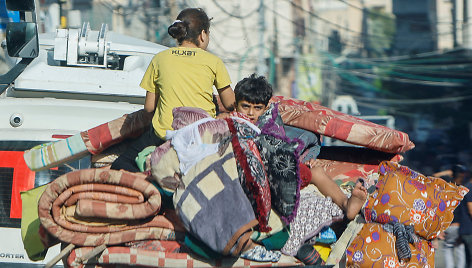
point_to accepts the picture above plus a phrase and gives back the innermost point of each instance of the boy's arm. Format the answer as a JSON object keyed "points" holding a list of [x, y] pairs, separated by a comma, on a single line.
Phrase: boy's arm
{"points": [[223, 115], [227, 98]]}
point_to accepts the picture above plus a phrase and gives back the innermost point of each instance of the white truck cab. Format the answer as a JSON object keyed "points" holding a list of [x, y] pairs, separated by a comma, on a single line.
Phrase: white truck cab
{"points": [[62, 83]]}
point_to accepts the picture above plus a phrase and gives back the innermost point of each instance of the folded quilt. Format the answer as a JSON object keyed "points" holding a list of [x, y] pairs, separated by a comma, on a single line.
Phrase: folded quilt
{"points": [[92, 207], [130, 256], [212, 204], [351, 129]]}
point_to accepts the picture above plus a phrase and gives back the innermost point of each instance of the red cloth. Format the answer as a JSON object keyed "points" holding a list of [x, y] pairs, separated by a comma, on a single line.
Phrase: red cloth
{"points": [[305, 175]]}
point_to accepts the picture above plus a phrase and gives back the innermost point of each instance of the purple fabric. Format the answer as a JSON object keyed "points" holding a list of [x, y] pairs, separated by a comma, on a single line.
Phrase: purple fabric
{"points": [[280, 156]]}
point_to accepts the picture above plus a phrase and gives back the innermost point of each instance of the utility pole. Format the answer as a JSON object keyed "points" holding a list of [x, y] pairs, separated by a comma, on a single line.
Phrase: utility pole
{"points": [[118, 19], [467, 31], [261, 67], [454, 23], [63, 18], [278, 61], [174, 12]]}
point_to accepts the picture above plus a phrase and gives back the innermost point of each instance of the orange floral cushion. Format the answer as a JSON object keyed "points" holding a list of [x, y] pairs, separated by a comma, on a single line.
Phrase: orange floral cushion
{"points": [[375, 247], [408, 197]]}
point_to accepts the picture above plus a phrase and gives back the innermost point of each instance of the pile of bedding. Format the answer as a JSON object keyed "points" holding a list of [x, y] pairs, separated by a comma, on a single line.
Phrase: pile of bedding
{"points": [[215, 185]]}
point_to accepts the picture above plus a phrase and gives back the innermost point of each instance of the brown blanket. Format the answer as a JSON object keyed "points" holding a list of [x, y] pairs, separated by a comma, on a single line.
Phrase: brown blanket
{"points": [[92, 207]]}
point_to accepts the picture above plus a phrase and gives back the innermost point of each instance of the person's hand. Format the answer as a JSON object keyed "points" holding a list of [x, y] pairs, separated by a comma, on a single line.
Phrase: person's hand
{"points": [[441, 236], [222, 115], [310, 163], [435, 243]]}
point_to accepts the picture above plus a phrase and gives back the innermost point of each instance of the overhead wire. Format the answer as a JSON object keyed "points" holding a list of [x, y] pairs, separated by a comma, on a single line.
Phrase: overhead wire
{"points": [[387, 17], [405, 78], [134, 9], [419, 101], [402, 80], [353, 72], [414, 79], [442, 67], [364, 35], [432, 81], [231, 14], [356, 45], [313, 14]]}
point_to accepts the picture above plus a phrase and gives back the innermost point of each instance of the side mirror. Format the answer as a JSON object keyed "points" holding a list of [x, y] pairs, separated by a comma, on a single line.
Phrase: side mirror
{"points": [[22, 39], [20, 5]]}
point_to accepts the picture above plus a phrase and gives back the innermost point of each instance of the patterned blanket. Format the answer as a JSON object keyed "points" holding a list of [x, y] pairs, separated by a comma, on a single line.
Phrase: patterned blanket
{"points": [[128, 256], [351, 129], [280, 157], [251, 171], [350, 163], [213, 206], [55, 153], [92, 207], [103, 136]]}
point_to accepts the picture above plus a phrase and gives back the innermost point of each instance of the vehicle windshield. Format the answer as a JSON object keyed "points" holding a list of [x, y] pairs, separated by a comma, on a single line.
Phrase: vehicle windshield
{"points": [[15, 177]]}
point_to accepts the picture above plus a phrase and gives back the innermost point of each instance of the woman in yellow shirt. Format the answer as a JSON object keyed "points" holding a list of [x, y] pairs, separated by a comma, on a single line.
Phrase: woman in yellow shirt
{"points": [[180, 76]]}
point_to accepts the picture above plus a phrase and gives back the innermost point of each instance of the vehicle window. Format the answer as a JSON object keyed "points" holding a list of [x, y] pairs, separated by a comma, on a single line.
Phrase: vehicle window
{"points": [[6, 62]]}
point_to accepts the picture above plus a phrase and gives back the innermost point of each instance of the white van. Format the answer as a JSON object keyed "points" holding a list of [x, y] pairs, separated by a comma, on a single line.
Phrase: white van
{"points": [[62, 83]]}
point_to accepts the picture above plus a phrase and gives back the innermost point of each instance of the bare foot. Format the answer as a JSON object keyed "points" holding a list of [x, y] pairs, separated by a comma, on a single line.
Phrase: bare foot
{"points": [[356, 201]]}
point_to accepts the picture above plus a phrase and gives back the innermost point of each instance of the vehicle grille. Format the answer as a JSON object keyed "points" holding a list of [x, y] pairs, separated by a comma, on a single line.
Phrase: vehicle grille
{"points": [[6, 181]]}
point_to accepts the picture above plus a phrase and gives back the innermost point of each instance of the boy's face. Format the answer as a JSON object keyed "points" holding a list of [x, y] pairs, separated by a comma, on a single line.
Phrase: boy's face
{"points": [[252, 110]]}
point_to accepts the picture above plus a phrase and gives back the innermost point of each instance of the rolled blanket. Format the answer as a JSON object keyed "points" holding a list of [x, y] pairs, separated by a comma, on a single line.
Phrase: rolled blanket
{"points": [[103, 136], [53, 154], [92, 207], [92, 141], [348, 128]]}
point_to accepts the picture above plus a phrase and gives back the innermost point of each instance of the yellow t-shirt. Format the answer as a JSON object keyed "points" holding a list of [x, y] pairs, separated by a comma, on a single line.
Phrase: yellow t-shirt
{"points": [[183, 76]]}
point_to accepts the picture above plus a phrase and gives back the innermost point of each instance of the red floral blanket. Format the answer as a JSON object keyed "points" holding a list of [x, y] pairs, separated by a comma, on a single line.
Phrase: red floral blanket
{"points": [[351, 129]]}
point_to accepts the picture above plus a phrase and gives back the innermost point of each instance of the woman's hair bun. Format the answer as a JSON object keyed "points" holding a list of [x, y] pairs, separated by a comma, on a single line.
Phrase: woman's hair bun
{"points": [[178, 29]]}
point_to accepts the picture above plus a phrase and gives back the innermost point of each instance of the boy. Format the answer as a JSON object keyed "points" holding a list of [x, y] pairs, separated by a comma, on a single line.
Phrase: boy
{"points": [[252, 99]]}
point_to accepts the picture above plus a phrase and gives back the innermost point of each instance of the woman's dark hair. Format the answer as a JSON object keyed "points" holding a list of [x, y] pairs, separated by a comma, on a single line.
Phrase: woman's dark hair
{"points": [[189, 24], [253, 89]]}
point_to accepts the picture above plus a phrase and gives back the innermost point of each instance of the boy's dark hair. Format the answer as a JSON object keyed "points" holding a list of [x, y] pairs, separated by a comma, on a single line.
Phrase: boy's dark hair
{"points": [[253, 89], [189, 24]]}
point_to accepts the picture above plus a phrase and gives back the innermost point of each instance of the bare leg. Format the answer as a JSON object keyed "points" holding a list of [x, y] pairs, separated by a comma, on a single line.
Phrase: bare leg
{"points": [[328, 187], [356, 201]]}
